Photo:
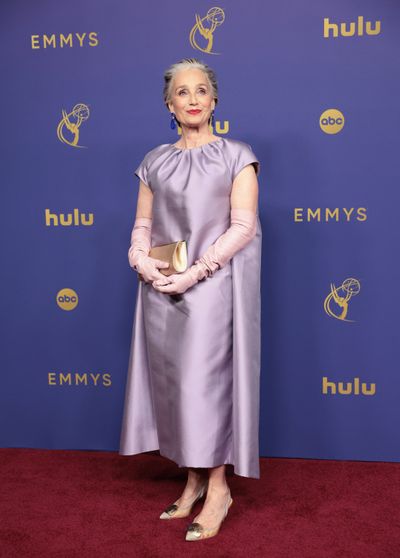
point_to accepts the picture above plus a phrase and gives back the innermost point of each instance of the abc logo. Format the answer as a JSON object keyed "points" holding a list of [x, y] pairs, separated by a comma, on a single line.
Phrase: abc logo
{"points": [[331, 121], [67, 299]]}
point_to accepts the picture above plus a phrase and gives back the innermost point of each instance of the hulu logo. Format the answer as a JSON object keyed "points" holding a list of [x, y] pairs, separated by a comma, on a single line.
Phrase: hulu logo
{"points": [[349, 29], [347, 388], [74, 219]]}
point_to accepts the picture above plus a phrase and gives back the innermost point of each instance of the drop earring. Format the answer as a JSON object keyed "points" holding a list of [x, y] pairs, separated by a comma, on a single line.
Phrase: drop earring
{"points": [[172, 122], [212, 118]]}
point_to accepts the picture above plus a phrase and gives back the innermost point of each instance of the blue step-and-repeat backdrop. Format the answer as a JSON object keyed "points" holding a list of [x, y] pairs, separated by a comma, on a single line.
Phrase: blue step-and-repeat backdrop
{"points": [[314, 88]]}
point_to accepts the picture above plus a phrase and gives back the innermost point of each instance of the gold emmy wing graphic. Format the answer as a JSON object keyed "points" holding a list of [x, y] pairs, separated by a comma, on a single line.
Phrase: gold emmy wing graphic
{"points": [[72, 122], [205, 27], [341, 297]]}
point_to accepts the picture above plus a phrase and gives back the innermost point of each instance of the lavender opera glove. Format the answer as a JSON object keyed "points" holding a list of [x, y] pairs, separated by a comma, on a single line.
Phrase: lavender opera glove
{"points": [[243, 228], [139, 249]]}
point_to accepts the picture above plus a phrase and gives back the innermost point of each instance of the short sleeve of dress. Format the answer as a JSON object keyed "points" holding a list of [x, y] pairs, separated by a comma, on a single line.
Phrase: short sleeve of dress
{"points": [[142, 172], [243, 157]]}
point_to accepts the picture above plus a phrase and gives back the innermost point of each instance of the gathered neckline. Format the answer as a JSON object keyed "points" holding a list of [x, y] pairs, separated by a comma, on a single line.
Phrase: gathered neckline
{"points": [[196, 147]]}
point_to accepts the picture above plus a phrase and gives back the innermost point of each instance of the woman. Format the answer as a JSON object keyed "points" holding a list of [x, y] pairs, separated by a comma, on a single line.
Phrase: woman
{"points": [[193, 382]]}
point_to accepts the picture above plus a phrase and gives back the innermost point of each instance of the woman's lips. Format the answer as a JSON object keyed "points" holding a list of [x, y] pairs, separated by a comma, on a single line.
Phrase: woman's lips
{"points": [[194, 111]]}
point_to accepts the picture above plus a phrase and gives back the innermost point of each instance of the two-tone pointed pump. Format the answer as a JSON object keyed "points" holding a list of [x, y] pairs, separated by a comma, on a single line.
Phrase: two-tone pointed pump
{"points": [[197, 532], [175, 511]]}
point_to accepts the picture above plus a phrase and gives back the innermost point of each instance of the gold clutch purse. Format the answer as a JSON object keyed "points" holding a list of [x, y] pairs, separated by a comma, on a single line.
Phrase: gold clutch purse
{"points": [[175, 253]]}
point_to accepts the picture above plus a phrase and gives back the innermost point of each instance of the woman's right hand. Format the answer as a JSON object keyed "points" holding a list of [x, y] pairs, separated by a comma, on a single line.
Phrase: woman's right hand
{"points": [[139, 250], [148, 268]]}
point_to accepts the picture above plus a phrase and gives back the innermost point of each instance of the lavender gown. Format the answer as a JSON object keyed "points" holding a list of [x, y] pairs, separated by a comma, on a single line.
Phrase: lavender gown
{"points": [[192, 389]]}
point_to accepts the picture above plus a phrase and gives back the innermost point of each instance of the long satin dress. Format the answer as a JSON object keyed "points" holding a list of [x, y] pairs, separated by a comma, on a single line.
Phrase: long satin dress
{"points": [[192, 387]]}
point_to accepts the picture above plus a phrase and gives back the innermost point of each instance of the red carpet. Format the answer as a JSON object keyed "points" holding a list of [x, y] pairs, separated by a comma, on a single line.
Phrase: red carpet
{"points": [[69, 504]]}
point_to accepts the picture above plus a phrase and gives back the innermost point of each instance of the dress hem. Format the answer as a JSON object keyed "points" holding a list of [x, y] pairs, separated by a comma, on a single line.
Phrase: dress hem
{"points": [[227, 461]]}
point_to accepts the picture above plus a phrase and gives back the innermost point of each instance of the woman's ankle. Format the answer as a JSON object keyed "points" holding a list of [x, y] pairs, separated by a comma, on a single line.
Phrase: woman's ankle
{"points": [[218, 488], [195, 480]]}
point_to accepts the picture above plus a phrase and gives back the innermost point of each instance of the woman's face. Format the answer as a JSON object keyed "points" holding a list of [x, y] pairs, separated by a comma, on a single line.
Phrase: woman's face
{"points": [[191, 91]]}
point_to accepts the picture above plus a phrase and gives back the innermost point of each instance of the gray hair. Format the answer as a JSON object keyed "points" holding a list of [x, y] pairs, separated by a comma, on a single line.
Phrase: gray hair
{"points": [[185, 64]]}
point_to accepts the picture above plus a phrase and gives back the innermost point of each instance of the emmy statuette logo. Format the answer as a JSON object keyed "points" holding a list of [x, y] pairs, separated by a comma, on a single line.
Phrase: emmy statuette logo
{"points": [[68, 127], [336, 304], [204, 29]]}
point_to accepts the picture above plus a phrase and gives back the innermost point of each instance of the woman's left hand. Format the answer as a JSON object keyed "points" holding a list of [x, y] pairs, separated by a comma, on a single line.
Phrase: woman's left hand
{"points": [[176, 283]]}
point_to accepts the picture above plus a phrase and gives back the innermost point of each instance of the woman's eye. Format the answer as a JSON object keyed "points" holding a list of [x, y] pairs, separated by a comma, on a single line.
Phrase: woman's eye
{"points": [[184, 91]]}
